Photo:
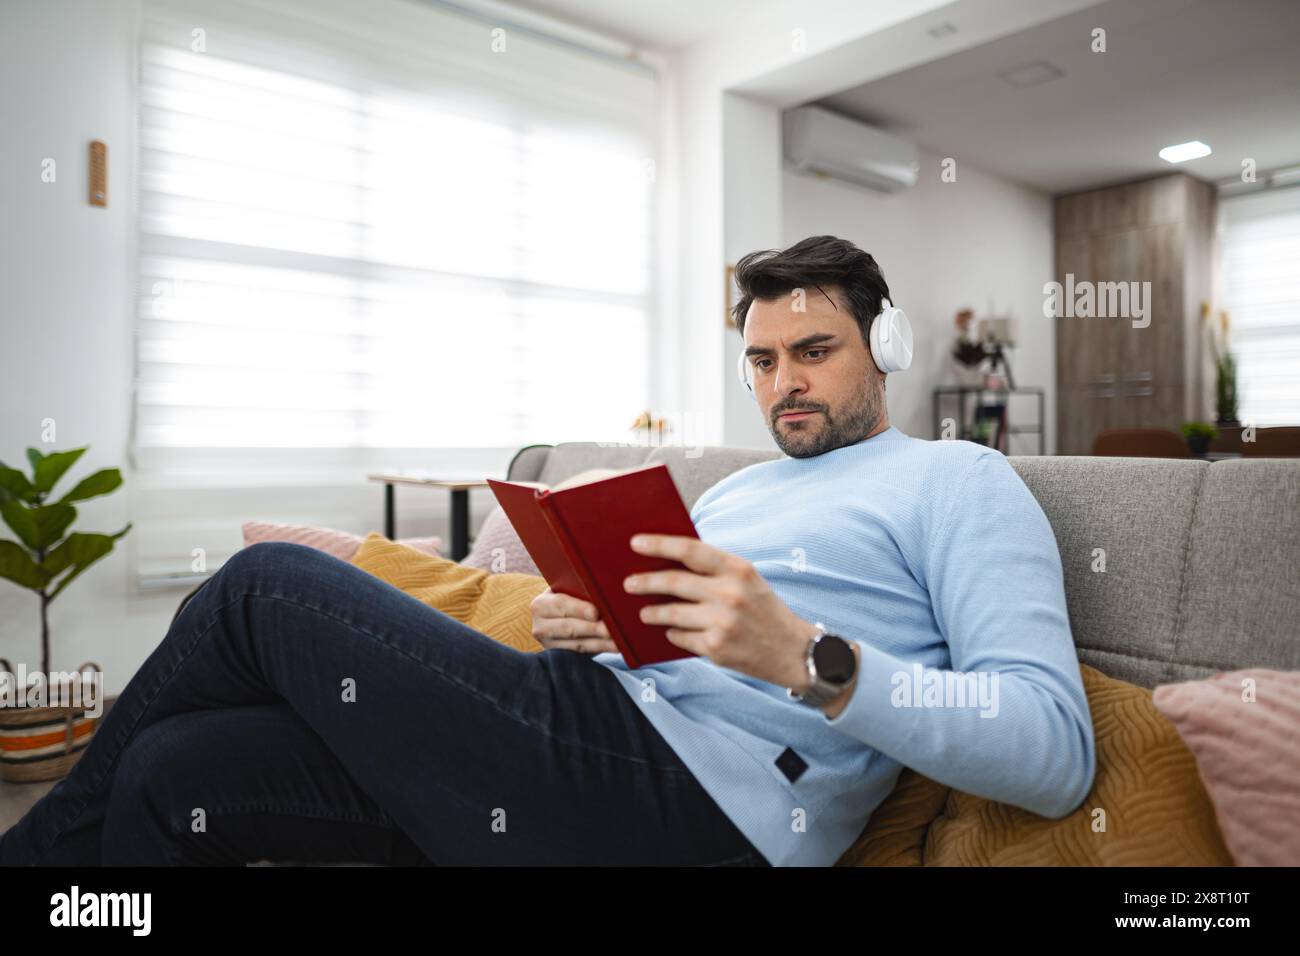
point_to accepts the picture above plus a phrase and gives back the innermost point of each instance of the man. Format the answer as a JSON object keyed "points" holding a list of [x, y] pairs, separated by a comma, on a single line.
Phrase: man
{"points": [[299, 708], [932, 558]]}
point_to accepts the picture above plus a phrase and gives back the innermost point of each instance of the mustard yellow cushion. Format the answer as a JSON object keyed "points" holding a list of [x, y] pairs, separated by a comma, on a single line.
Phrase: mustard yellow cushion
{"points": [[1154, 808], [495, 604]]}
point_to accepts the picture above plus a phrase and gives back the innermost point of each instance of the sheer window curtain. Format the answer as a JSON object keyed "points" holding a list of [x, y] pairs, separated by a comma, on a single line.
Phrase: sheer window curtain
{"points": [[1261, 291], [374, 236]]}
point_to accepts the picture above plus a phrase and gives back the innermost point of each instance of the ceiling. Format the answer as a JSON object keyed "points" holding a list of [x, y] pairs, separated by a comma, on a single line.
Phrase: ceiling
{"points": [[1226, 72], [662, 25]]}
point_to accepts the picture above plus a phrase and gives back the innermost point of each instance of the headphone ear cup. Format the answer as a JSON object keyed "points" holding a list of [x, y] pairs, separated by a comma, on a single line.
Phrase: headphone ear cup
{"points": [[891, 339], [873, 337]]}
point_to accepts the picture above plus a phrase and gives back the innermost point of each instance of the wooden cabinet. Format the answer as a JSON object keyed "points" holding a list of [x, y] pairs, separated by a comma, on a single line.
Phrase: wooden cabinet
{"points": [[1138, 257]]}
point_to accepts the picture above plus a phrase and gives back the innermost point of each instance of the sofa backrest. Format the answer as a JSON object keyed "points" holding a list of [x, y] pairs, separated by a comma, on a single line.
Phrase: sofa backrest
{"points": [[1174, 570]]}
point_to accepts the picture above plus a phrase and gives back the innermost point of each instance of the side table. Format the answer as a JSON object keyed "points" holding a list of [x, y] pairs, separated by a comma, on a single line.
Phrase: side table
{"points": [[459, 488]]}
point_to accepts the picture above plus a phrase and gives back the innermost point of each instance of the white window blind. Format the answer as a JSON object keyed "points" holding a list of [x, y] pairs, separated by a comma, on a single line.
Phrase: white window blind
{"points": [[373, 234], [1261, 291]]}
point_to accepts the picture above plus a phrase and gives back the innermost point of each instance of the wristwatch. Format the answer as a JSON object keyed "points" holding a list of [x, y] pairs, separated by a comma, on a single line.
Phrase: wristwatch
{"points": [[831, 666]]}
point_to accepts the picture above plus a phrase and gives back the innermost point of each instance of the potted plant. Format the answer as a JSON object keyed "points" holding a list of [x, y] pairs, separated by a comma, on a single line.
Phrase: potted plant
{"points": [[1225, 365], [981, 431], [1199, 435], [45, 559]]}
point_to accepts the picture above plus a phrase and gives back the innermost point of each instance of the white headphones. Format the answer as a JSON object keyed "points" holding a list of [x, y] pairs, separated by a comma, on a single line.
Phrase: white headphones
{"points": [[890, 338]]}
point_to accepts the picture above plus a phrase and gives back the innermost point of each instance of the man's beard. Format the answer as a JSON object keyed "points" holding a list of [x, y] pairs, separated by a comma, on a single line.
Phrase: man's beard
{"points": [[807, 437]]}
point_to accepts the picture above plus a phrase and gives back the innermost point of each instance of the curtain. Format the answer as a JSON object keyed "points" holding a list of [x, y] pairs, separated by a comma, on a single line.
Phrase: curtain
{"points": [[375, 236], [1261, 292]]}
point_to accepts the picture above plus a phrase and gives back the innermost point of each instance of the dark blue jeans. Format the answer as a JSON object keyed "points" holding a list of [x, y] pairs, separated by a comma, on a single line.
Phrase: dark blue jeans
{"points": [[300, 709]]}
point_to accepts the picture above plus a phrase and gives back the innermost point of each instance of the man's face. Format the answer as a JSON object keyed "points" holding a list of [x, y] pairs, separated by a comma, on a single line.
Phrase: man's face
{"points": [[813, 361]]}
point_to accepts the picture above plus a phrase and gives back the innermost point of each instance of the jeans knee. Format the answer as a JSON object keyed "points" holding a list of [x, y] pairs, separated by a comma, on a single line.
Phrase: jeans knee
{"points": [[274, 554], [271, 559]]}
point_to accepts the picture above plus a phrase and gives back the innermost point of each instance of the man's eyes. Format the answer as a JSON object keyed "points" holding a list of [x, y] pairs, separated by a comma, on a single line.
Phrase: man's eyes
{"points": [[759, 364]]}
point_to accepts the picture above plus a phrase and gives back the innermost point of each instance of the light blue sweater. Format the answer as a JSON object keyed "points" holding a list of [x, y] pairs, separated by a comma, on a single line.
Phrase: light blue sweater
{"points": [[938, 561]]}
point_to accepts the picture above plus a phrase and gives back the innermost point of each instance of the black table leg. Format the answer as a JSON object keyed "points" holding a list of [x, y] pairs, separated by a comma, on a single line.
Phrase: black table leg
{"points": [[459, 523], [390, 512]]}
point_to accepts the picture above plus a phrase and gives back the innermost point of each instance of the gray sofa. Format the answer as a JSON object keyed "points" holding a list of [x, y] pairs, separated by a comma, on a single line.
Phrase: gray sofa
{"points": [[1200, 559]]}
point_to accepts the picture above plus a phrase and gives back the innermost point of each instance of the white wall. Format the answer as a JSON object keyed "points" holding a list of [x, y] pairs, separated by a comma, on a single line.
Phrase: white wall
{"points": [[66, 77], [942, 246], [752, 212]]}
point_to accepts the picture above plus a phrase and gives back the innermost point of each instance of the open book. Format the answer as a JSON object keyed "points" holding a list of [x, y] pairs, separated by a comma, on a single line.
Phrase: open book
{"points": [[578, 537]]}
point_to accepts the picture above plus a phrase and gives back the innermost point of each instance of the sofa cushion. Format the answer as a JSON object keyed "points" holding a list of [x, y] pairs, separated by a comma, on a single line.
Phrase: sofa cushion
{"points": [[695, 470], [1147, 806], [497, 605], [1135, 515], [1243, 726], [497, 547], [1241, 602], [570, 458]]}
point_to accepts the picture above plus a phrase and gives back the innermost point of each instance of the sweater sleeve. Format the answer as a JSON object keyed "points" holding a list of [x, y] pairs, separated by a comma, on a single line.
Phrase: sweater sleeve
{"points": [[1023, 732]]}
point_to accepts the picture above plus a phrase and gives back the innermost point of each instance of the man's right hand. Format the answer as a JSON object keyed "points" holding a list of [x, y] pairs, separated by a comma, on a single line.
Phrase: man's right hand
{"points": [[564, 621]]}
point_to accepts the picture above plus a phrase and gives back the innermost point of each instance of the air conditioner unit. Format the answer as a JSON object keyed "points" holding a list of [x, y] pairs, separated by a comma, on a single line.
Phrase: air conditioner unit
{"points": [[824, 143]]}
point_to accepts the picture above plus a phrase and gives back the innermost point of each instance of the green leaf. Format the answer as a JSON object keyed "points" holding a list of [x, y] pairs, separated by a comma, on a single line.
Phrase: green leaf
{"points": [[49, 469], [15, 483], [78, 552], [38, 527], [17, 565], [53, 521], [19, 517], [100, 483]]}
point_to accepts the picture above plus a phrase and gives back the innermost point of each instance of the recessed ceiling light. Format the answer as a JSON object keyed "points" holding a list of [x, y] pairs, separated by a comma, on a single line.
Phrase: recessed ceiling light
{"points": [[1184, 151], [1031, 74], [942, 30]]}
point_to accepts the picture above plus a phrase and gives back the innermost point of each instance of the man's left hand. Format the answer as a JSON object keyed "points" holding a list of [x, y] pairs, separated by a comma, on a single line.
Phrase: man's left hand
{"points": [[730, 614]]}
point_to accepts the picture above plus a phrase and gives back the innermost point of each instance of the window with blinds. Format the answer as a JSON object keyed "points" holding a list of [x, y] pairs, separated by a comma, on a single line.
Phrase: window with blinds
{"points": [[1261, 292], [371, 230]]}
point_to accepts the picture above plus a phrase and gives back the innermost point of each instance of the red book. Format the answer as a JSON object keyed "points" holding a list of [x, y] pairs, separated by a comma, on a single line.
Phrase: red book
{"points": [[578, 537]]}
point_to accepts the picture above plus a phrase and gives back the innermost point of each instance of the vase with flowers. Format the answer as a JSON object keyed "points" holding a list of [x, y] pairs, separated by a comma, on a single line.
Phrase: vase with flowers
{"points": [[968, 352], [1225, 365], [650, 430]]}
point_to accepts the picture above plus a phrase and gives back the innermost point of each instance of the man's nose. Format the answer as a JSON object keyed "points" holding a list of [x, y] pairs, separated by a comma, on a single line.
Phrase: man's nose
{"points": [[787, 381]]}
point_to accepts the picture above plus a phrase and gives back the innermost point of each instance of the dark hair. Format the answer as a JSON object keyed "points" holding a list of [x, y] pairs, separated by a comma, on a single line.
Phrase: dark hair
{"points": [[816, 261]]}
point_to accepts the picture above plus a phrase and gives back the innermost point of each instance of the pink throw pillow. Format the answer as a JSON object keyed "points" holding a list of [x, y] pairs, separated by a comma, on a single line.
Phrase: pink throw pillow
{"points": [[1242, 727], [342, 544], [497, 547]]}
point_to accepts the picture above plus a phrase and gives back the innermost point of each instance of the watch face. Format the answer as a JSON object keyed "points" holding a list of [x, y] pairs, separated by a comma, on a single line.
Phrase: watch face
{"points": [[833, 658]]}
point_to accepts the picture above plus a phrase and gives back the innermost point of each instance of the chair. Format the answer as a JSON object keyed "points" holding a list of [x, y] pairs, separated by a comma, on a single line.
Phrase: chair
{"points": [[1283, 442], [1140, 443]]}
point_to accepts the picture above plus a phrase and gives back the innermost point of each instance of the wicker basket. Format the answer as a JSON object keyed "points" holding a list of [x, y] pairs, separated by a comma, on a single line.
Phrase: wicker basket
{"points": [[43, 743]]}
